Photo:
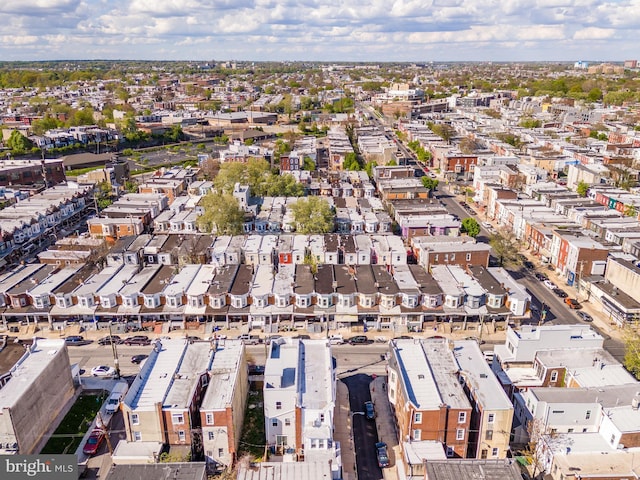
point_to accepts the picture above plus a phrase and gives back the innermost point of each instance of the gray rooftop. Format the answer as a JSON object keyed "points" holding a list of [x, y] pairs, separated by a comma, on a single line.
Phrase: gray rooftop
{"points": [[158, 471], [469, 469], [222, 383]]}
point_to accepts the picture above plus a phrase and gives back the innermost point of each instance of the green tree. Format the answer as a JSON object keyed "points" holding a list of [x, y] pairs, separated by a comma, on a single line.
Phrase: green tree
{"points": [[505, 247], [632, 351], [351, 162], [229, 174], [222, 214], [131, 187], [308, 164], [529, 122], [313, 215], [19, 143], [103, 195], [582, 188], [471, 227], [430, 183], [45, 123], [369, 167], [444, 131], [283, 186]]}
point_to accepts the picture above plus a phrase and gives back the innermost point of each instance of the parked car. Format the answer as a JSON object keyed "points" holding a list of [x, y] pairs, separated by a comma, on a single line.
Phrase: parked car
{"points": [[256, 369], [529, 265], [488, 355], [137, 340], [110, 338], [382, 455], [369, 412], [336, 339], [137, 359], [541, 276], [549, 284], [302, 337], [585, 316], [103, 371], [76, 340], [94, 441], [560, 293], [573, 303], [358, 340]]}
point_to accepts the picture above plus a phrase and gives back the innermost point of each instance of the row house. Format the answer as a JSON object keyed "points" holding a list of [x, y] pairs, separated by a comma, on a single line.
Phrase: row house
{"points": [[447, 250], [223, 404], [299, 421], [492, 413], [162, 406], [172, 188], [112, 229], [338, 148], [577, 256], [427, 398], [402, 189], [428, 225]]}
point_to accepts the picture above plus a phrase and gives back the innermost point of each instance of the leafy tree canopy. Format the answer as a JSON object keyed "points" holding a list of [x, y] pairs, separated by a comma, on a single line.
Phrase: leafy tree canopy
{"points": [[313, 215], [471, 227], [222, 214]]}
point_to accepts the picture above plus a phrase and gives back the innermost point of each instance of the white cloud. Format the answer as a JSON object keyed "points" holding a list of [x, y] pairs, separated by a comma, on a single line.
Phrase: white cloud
{"points": [[320, 29]]}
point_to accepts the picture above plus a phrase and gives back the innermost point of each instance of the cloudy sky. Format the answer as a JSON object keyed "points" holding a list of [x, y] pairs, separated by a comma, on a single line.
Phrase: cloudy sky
{"points": [[324, 30]]}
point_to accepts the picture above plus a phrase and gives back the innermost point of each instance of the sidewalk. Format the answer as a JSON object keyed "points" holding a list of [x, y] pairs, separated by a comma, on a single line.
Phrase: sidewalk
{"points": [[386, 427], [342, 432]]}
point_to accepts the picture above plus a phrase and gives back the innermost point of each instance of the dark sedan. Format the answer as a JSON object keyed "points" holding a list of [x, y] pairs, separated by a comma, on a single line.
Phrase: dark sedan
{"points": [[137, 340], [359, 340], [76, 340], [137, 359], [560, 293], [109, 339]]}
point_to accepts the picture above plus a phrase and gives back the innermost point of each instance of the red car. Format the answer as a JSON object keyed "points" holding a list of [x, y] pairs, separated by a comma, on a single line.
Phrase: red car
{"points": [[93, 442]]}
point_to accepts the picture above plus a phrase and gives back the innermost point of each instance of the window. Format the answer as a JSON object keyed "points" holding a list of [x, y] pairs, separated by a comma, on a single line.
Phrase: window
{"points": [[287, 422], [417, 417], [209, 418], [211, 436], [181, 435], [322, 417], [220, 452], [278, 405], [587, 415], [460, 434], [494, 452], [483, 454], [450, 452], [554, 376], [314, 443], [177, 418], [490, 418], [570, 430], [321, 443], [135, 420], [274, 422], [137, 436], [462, 417], [468, 257], [417, 434], [613, 438], [488, 435]]}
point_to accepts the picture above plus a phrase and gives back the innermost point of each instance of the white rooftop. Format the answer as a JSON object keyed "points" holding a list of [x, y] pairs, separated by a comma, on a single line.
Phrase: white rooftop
{"points": [[416, 374], [28, 368], [226, 362]]}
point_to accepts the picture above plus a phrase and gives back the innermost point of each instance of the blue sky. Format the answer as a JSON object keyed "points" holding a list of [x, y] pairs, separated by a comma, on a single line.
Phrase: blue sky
{"points": [[338, 30]]}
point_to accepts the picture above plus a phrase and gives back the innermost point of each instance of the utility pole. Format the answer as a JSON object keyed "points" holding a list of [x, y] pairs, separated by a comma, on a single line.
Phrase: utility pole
{"points": [[103, 428], [114, 351]]}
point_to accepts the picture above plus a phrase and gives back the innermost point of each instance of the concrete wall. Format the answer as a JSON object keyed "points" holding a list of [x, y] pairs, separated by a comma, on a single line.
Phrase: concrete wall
{"points": [[35, 412], [627, 280]]}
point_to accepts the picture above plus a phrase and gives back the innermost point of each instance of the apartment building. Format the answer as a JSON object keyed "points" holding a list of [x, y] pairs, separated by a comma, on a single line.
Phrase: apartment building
{"points": [[299, 401]]}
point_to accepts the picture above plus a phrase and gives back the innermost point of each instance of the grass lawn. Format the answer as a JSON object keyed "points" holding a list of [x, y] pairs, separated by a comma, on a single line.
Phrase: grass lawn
{"points": [[253, 437], [69, 433]]}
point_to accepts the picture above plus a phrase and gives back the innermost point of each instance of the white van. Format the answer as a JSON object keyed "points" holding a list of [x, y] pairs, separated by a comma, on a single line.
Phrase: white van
{"points": [[336, 339], [116, 397]]}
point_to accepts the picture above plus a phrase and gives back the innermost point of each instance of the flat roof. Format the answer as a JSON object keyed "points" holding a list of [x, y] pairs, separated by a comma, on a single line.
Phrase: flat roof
{"points": [[416, 373], [180, 282], [285, 471], [202, 280], [223, 374], [140, 280], [194, 362], [156, 471], [457, 469], [317, 389], [28, 368], [282, 364], [262, 281], [120, 278], [485, 386]]}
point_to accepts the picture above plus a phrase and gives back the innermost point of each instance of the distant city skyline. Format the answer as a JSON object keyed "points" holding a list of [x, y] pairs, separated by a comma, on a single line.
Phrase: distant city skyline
{"points": [[312, 30]]}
